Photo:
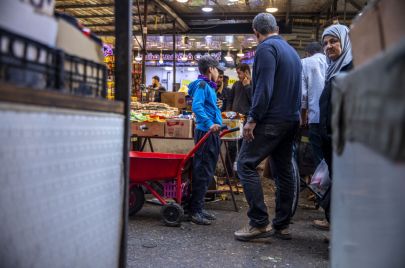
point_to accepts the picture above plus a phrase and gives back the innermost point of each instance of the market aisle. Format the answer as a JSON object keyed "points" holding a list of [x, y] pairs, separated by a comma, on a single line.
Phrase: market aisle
{"points": [[151, 244]]}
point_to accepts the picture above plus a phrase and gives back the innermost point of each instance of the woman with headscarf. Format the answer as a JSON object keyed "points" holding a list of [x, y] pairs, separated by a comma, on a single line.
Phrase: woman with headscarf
{"points": [[338, 50]]}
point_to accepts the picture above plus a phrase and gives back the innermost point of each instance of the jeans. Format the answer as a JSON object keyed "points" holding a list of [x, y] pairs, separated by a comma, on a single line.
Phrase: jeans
{"points": [[204, 164], [275, 140], [316, 143]]}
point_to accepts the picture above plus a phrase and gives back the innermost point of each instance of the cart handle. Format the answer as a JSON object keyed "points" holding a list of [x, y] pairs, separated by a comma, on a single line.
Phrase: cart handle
{"points": [[224, 130], [228, 130]]}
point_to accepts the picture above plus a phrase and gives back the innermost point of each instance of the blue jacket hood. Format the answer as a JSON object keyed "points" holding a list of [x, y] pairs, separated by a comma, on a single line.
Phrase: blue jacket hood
{"points": [[193, 86]]}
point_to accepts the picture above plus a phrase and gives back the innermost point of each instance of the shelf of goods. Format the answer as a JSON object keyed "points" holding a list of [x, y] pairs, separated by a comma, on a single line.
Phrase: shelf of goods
{"points": [[136, 78]]}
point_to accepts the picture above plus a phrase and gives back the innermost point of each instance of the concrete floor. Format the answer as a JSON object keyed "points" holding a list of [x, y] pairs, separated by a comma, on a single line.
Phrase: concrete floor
{"points": [[151, 244]]}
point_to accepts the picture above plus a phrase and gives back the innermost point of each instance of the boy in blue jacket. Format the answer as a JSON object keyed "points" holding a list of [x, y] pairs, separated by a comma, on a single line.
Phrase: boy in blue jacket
{"points": [[208, 118]]}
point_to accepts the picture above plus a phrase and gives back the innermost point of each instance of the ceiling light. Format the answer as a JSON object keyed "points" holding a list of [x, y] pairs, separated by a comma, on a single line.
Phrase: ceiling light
{"points": [[224, 42], [240, 53], [228, 57], [190, 69], [138, 57], [231, 47], [184, 57], [233, 1], [168, 68], [207, 9], [271, 9], [191, 39], [182, 1], [208, 36], [161, 57]]}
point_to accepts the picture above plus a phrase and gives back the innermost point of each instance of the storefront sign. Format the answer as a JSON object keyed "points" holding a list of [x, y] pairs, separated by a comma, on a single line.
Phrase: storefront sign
{"points": [[191, 56]]}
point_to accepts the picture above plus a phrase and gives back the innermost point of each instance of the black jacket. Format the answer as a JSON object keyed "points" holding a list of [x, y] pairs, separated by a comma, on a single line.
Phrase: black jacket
{"points": [[239, 98], [325, 104]]}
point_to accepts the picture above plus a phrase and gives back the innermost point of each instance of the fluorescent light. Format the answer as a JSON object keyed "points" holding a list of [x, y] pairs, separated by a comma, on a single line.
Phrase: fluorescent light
{"points": [[232, 1], [240, 53], [190, 69], [208, 36], [182, 1], [271, 9], [138, 57], [168, 68], [228, 58], [191, 39], [207, 9]]}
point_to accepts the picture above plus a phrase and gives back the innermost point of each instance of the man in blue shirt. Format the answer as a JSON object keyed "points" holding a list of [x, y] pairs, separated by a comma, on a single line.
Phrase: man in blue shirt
{"points": [[313, 81], [272, 124], [208, 118]]}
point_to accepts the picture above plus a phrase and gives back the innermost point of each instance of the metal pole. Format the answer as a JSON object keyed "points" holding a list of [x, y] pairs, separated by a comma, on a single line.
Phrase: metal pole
{"points": [[144, 34], [174, 55], [123, 37]]}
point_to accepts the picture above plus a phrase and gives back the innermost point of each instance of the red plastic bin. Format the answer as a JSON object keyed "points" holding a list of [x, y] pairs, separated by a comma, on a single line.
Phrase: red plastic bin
{"points": [[147, 166]]}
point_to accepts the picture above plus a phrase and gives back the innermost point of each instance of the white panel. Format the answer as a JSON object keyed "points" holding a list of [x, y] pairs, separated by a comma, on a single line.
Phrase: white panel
{"points": [[61, 188], [368, 210]]}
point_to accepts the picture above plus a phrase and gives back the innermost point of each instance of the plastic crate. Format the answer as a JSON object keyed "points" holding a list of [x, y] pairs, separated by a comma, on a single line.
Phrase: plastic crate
{"points": [[25, 62]]}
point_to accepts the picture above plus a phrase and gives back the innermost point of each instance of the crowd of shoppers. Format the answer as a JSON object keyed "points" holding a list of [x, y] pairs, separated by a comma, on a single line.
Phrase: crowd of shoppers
{"points": [[280, 91]]}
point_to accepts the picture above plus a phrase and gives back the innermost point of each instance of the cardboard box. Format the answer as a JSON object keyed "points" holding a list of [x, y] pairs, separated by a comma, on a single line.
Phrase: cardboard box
{"points": [[174, 99], [232, 123], [367, 40], [179, 128], [22, 19], [392, 21], [74, 42], [43, 6], [154, 129], [378, 28]]}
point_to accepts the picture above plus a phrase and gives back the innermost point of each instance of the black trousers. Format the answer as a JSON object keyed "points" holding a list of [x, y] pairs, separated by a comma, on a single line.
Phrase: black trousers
{"points": [[327, 151], [204, 164], [275, 140], [316, 143]]}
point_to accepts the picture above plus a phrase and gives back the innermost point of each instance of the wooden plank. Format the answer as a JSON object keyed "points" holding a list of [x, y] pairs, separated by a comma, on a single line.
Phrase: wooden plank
{"points": [[24, 95]]}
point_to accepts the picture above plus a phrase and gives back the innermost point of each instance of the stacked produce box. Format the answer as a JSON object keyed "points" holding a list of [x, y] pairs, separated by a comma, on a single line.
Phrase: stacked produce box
{"points": [[155, 119]]}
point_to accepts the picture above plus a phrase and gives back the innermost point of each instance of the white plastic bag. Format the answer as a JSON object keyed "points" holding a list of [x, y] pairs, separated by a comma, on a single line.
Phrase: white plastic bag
{"points": [[320, 181]]}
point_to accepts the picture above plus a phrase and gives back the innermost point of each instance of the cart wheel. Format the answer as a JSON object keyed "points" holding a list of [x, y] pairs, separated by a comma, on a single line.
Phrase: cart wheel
{"points": [[172, 213], [136, 200]]}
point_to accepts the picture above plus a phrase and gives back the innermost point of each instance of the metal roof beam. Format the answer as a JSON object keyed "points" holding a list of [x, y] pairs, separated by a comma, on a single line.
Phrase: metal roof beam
{"points": [[179, 21], [355, 4], [83, 6]]}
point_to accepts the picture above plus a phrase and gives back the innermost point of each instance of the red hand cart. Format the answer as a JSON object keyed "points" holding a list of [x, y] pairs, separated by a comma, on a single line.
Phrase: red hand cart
{"points": [[170, 170]]}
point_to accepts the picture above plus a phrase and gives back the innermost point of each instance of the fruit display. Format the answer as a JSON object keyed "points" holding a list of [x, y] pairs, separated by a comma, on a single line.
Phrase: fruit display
{"points": [[152, 112]]}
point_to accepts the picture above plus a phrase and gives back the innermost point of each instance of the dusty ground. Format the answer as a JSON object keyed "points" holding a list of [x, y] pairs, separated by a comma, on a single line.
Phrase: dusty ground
{"points": [[151, 244]]}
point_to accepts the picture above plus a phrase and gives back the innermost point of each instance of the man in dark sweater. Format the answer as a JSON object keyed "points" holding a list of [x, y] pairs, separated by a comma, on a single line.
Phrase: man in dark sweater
{"points": [[240, 96], [273, 121]]}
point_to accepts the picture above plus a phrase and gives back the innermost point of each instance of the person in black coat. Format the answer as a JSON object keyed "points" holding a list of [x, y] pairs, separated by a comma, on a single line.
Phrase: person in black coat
{"points": [[338, 50]]}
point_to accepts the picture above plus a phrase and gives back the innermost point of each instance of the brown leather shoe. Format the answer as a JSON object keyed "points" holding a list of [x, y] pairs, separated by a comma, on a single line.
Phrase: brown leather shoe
{"points": [[249, 232], [283, 234], [321, 225]]}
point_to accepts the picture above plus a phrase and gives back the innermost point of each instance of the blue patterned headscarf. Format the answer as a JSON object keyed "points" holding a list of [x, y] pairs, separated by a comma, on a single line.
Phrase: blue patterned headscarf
{"points": [[342, 33]]}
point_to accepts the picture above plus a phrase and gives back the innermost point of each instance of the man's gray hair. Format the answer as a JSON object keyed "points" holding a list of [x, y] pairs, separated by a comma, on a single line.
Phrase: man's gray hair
{"points": [[265, 23]]}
